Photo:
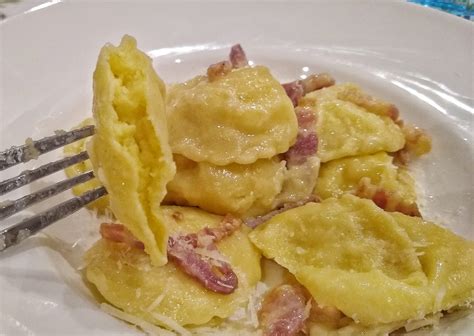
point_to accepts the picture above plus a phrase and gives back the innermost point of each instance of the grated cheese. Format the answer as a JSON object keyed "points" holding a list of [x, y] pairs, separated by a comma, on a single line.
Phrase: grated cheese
{"points": [[205, 240], [252, 309], [427, 321], [171, 324], [420, 244], [255, 301], [300, 250], [211, 254], [307, 309], [155, 303], [439, 298], [224, 331], [147, 327], [247, 317]]}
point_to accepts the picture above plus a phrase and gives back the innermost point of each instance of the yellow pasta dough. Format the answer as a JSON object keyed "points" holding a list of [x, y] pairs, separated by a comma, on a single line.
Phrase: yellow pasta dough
{"points": [[238, 118], [127, 279], [244, 190], [352, 255], [130, 151], [344, 176], [347, 129]]}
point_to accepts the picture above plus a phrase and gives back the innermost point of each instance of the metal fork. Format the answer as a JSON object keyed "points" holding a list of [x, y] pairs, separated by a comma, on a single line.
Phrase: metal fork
{"points": [[14, 234]]}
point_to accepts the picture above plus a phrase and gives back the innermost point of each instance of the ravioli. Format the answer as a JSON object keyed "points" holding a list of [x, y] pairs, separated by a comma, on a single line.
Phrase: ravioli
{"points": [[352, 255], [77, 147], [344, 176], [242, 190], [239, 118], [127, 279], [130, 152], [347, 129]]}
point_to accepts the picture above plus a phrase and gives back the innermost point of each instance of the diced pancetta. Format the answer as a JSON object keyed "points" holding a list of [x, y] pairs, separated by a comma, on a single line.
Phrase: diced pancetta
{"points": [[389, 201], [283, 311], [237, 57], [218, 70], [253, 222], [213, 273]]}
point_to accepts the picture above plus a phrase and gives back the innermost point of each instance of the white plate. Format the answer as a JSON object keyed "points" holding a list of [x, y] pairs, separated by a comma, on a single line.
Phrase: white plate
{"points": [[420, 59]]}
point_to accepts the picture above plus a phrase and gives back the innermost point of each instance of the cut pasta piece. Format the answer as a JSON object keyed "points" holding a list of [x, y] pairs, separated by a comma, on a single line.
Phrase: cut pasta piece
{"points": [[130, 151]]}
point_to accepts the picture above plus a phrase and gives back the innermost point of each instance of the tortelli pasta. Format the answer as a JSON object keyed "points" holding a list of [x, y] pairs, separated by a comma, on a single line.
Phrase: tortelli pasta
{"points": [[375, 267], [347, 129], [239, 118], [129, 150], [346, 175], [243, 190]]}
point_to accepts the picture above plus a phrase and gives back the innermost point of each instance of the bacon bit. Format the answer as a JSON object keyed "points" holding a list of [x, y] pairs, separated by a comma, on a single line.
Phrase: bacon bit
{"points": [[402, 157], [218, 70], [253, 222], [297, 89], [328, 315], [306, 144], [389, 201], [294, 91], [283, 311], [306, 118], [215, 275], [178, 216], [237, 57], [354, 95], [120, 234], [417, 143], [227, 227], [317, 82]]}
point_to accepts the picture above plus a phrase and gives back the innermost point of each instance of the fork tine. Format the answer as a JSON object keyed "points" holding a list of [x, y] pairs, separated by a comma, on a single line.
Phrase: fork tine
{"points": [[16, 233], [29, 176], [9, 208], [25, 153]]}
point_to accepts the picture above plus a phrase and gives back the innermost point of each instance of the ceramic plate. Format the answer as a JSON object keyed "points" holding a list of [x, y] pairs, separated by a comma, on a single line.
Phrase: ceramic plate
{"points": [[420, 59]]}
